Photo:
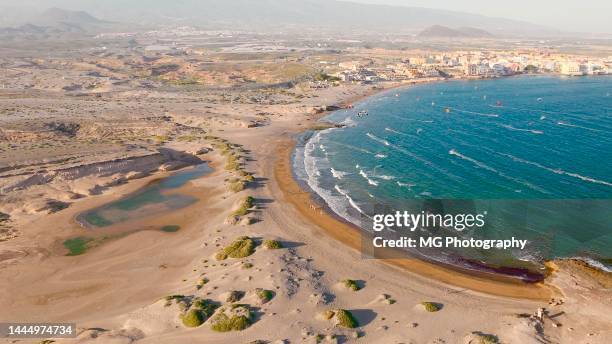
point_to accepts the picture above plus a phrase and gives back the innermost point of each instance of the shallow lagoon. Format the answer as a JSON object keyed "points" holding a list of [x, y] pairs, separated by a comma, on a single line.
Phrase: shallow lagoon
{"points": [[155, 198]]}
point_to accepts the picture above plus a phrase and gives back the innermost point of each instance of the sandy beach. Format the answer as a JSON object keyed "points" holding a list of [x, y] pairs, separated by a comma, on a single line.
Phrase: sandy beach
{"points": [[351, 236]]}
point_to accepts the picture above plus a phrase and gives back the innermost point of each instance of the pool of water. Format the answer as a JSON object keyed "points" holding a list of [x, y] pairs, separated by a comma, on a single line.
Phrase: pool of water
{"points": [[155, 198]]}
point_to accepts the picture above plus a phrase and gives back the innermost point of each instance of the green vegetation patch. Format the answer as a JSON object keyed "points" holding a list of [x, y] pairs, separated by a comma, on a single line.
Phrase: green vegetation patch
{"points": [[233, 162], [264, 295], [237, 186], [482, 338], [246, 204], [234, 296], [201, 282], [224, 148], [195, 310], [431, 306], [206, 306], [351, 284], [345, 318], [77, 246], [272, 244], [232, 318], [170, 228], [193, 318], [240, 248]]}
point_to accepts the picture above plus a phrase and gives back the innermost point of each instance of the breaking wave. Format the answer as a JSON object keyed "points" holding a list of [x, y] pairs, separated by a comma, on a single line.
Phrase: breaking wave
{"points": [[378, 139], [474, 112], [493, 170], [558, 170], [366, 177], [509, 127], [338, 174], [565, 124]]}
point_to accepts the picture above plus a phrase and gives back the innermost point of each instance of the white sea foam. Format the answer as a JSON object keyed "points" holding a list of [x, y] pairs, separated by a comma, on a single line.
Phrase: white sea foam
{"points": [[395, 131], [509, 127], [338, 174], [558, 170], [594, 263], [366, 177], [357, 149], [312, 165], [380, 156], [565, 124], [340, 191], [354, 204], [493, 170], [349, 199], [424, 161], [404, 185], [378, 139]]}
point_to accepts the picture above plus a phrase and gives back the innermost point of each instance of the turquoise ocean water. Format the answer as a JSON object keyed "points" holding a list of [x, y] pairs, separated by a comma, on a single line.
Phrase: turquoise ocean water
{"points": [[535, 153]]}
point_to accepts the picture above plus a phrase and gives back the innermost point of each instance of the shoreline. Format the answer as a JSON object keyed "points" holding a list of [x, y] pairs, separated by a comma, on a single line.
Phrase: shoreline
{"points": [[350, 236]]}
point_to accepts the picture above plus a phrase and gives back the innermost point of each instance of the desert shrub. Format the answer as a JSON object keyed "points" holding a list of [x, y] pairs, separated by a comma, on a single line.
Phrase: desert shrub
{"points": [[234, 318], [350, 284], [248, 177], [431, 306], [201, 282], [237, 186], [233, 162], [244, 207], [346, 319], [264, 295], [207, 307], [221, 255], [272, 244], [193, 318], [234, 296], [482, 338], [247, 265], [224, 148], [169, 299], [240, 248]]}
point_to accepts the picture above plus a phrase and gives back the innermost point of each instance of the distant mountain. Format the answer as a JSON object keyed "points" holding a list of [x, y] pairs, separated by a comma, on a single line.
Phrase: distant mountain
{"points": [[54, 16], [56, 22], [286, 15], [439, 31]]}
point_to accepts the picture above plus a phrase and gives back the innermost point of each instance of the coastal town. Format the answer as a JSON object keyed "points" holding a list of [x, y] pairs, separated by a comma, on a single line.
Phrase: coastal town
{"points": [[474, 64]]}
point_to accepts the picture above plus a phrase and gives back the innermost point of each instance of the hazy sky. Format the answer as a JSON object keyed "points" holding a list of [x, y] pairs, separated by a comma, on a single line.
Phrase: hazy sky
{"points": [[567, 15]]}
